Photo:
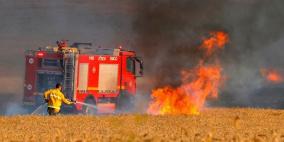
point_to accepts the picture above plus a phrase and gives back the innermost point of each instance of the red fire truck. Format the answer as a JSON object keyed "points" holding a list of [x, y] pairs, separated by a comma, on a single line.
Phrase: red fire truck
{"points": [[105, 78]]}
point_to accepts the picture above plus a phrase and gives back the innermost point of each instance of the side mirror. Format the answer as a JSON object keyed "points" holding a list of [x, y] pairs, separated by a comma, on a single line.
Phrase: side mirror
{"points": [[139, 70]]}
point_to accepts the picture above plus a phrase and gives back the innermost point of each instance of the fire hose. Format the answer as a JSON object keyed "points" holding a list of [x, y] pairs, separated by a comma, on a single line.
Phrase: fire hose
{"points": [[45, 104], [39, 108]]}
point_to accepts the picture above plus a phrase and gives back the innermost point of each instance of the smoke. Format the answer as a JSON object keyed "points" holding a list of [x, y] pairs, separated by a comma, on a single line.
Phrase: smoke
{"points": [[168, 33], [15, 109], [6, 100]]}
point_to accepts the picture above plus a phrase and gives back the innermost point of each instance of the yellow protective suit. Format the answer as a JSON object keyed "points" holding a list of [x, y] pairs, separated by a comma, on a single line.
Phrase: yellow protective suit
{"points": [[55, 98]]}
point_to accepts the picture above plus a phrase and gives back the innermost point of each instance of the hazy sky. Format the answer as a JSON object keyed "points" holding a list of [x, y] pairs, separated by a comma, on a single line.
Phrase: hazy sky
{"points": [[32, 23]]}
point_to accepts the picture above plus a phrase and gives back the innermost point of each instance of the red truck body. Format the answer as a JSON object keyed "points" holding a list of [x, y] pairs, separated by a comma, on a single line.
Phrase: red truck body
{"points": [[101, 77]]}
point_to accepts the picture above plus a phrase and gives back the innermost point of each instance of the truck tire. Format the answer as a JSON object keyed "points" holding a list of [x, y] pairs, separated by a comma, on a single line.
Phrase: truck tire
{"points": [[89, 110], [125, 103]]}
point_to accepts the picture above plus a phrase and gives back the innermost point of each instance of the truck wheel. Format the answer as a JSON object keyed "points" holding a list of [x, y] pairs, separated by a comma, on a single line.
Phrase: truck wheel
{"points": [[90, 107], [125, 103]]}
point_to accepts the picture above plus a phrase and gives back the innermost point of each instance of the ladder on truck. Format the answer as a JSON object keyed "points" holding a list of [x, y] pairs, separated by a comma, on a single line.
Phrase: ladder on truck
{"points": [[69, 73]]}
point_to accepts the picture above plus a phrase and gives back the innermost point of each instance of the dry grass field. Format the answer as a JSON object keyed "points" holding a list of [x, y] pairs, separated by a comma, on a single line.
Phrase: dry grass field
{"points": [[211, 125]]}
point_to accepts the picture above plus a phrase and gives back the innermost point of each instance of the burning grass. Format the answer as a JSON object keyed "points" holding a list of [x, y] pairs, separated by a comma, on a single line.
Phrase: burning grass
{"points": [[198, 84], [272, 75], [190, 97], [210, 125]]}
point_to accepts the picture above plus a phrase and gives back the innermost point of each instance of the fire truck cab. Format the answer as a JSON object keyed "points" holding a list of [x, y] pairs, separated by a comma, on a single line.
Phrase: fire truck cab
{"points": [[105, 78]]}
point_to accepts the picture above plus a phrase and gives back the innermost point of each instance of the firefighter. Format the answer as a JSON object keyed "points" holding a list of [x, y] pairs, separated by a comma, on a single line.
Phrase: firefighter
{"points": [[62, 45], [54, 98]]}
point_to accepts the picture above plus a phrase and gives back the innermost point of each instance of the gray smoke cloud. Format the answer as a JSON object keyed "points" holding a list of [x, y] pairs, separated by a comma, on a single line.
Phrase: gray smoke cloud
{"points": [[169, 32], [166, 33]]}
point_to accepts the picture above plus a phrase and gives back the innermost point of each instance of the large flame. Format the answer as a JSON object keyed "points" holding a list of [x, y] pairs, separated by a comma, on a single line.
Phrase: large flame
{"points": [[197, 84], [272, 75], [188, 98]]}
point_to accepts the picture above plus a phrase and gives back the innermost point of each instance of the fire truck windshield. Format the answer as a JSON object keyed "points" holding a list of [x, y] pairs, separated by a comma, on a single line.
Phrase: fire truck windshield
{"points": [[135, 66], [47, 81], [130, 65], [51, 63]]}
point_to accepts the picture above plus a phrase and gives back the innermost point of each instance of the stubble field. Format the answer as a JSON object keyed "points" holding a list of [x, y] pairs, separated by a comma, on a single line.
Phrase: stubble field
{"points": [[211, 125]]}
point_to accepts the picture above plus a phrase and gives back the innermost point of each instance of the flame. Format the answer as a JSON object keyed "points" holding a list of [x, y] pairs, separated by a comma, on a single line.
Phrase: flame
{"points": [[272, 75], [197, 84], [216, 40]]}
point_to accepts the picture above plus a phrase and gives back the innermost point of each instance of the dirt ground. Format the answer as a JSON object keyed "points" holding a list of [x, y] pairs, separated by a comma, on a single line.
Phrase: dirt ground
{"points": [[211, 125]]}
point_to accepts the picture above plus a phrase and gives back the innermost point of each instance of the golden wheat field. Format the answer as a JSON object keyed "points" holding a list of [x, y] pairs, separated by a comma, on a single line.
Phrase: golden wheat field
{"points": [[211, 125]]}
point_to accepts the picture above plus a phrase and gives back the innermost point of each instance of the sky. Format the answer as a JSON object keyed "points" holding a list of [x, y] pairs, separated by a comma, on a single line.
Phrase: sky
{"points": [[37, 23]]}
